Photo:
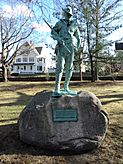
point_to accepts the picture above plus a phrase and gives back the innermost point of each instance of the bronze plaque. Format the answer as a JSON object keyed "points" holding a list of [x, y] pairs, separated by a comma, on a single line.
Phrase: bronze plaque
{"points": [[62, 115]]}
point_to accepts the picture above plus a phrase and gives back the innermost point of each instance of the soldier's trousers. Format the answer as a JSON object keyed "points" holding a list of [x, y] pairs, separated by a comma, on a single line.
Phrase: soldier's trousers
{"points": [[64, 60]]}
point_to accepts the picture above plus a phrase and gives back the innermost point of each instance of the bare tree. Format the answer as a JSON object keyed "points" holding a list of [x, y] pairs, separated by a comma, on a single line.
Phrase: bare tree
{"points": [[98, 18], [103, 20], [15, 27]]}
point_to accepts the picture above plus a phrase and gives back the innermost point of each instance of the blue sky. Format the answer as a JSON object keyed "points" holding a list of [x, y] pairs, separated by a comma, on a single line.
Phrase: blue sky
{"points": [[42, 30]]}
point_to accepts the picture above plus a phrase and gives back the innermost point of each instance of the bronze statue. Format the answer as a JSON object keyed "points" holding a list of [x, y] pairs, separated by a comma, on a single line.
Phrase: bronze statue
{"points": [[67, 34]]}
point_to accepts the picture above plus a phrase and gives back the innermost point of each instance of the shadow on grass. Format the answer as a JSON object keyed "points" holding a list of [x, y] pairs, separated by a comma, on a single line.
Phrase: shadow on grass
{"points": [[113, 98], [27, 85], [7, 120], [21, 100], [10, 143], [18, 86]]}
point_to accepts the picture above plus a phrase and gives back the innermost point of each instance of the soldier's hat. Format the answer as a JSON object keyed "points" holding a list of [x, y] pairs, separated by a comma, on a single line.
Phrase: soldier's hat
{"points": [[68, 10]]}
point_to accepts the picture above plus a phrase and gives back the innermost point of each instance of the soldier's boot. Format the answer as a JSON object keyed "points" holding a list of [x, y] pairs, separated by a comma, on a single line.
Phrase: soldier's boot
{"points": [[57, 85], [66, 86], [57, 88]]}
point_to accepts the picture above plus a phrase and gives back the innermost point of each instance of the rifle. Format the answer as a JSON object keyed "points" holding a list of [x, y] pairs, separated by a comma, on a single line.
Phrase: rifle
{"points": [[57, 34]]}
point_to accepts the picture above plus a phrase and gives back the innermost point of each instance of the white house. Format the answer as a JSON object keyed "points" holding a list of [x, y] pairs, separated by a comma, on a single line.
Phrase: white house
{"points": [[31, 60]]}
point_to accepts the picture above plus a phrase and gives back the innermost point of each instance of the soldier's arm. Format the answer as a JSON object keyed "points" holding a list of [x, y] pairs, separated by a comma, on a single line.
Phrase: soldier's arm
{"points": [[77, 35], [55, 31]]}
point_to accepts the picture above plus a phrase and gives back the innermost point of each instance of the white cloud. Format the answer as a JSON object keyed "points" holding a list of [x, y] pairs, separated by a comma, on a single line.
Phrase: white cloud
{"points": [[116, 35], [7, 8], [8, 11], [41, 27], [22, 9]]}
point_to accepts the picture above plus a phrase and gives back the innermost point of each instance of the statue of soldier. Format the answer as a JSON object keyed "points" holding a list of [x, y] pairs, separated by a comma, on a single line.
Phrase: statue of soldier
{"points": [[67, 34]]}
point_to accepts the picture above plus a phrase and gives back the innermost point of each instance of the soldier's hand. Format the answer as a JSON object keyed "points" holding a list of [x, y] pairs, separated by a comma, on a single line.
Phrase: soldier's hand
{"points": [[61, 42]]}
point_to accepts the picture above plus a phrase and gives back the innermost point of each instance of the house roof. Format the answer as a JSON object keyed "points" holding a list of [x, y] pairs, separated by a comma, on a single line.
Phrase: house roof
{"points": [[118, 46], [30, 46], [27, 43], [39, 49]]}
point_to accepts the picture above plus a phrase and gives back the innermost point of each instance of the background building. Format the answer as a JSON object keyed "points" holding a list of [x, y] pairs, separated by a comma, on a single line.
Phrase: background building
{"points": [[31, 60]]}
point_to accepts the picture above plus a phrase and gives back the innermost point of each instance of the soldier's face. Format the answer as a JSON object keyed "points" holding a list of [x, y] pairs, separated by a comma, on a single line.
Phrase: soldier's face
{"points": [[67, 16]]}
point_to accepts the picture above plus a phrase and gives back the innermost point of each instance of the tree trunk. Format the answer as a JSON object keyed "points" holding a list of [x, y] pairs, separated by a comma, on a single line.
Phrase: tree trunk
{"points": [[4, 73], [90, 54], [92, 68], [96, 77], [80, 64], [97, 40], [80, 71]]}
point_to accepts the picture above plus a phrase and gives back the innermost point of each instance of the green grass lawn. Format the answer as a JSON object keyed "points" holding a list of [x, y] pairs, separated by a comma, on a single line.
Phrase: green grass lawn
{"points": [[15, 95]]}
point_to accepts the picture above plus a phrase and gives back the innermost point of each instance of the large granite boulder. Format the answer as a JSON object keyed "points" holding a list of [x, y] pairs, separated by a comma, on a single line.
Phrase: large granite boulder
{"points": [[75, 123]]}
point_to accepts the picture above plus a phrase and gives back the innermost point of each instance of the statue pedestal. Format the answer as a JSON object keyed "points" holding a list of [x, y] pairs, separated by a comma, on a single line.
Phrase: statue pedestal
{"points": [[64, 93], [75, 123]]}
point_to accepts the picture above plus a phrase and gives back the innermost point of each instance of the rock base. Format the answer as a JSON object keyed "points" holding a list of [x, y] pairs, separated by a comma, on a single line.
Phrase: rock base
{"points": [[81, 127]]}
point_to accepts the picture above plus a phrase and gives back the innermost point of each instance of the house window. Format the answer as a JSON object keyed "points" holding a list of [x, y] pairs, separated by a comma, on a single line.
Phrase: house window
{"points": [[39, 68], [44, 60], [18, 60], [12, 68], [31, 67], [24, 67], [39, 59], [24, 59], [18, 67], [31, 59]]}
